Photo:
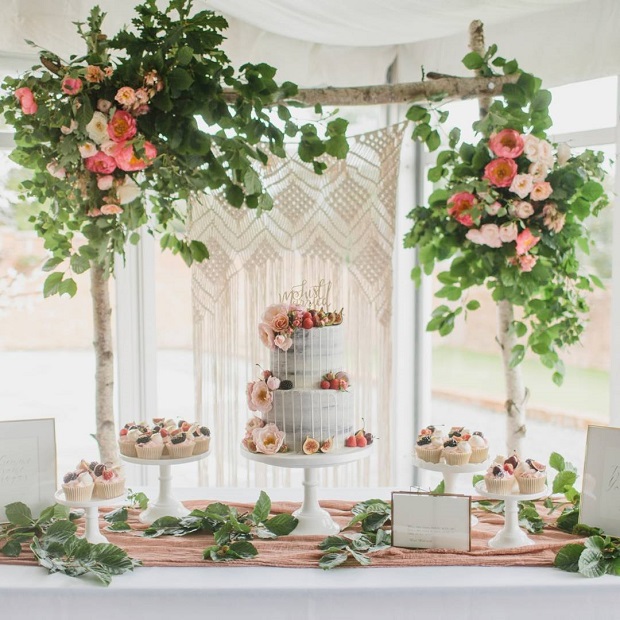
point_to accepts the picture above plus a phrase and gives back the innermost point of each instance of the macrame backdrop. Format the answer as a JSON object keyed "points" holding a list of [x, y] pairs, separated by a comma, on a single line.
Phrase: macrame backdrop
{"points": [[338, 227]]}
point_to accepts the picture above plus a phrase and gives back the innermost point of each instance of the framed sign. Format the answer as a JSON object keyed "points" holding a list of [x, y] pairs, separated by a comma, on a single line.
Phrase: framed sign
{"points": [[27, 463], [600, 497], [426, 521]]}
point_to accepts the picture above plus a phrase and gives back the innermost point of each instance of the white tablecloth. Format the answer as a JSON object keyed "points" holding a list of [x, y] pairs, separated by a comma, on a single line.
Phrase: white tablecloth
{"points": [[228, 592]]}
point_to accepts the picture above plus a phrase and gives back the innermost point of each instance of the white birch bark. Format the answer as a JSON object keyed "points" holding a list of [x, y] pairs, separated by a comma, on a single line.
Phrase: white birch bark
{"points": [[104, 365]]}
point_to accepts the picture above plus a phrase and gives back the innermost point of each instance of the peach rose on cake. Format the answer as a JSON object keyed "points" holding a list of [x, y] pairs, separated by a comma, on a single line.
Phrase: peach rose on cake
{"points": [[261, 397], [276, 317], [268, 439]]}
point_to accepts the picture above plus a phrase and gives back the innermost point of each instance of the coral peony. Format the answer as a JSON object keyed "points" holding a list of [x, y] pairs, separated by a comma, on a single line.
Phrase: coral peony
{"points": [[127, 160], [500, 172], [71, 86], [26, 100], [506, 143], [100, 163], [122, 126], [526, 241], [461, 207]]}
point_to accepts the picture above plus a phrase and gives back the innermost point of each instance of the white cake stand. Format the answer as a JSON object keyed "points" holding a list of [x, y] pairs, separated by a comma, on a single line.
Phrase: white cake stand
{"points": [[312, 518], [452, 474], [92, 533], [511, 535], [165, 505]]}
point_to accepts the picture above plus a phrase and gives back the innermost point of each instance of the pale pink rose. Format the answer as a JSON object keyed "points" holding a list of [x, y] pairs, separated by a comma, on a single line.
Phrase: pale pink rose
{"points": [[88, 149], [100, 163], [527, 262], [248, 444], [94, 74], [266, 335], [521, 185], [262, 398], [108, 71], [279, 323], [552, 218], [541, 191], [111, 148], [545, 152], [521, 209], [97, 128], [154, 81], [55, 170], [126, 96], [500, 172], [71, 86], [252, 423], [111, 209], [530, 147], [103, 105], [273, 383], [94, 212], [564, 153], [122, 126], [26, 100], [461, 206], [142, 96], [248, 394], [526, 241], [283, 342], [493, 208], [273, 311], [105, 182], [268, 439], [508, 232], [127, 191], [488, 234], [506, 143], [127, 160], [141, 110], [538, 171], [73, 125]]}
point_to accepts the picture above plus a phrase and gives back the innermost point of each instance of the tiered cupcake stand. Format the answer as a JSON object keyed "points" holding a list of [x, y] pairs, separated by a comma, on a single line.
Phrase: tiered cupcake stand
{"points": [[92, 533], [511, 535], [166, 505], [453, 474], [312, 518]]}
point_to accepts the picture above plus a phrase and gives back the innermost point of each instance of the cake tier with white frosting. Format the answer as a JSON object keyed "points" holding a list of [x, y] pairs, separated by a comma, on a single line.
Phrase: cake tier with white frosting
{"points": [[319, 414], [314, 353]]}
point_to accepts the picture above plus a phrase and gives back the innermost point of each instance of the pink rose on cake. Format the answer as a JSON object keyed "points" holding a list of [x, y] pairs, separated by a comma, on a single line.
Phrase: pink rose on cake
{"points": [[261, 397], [276, 317], [283, 342], [268, 439], [266, 335]]}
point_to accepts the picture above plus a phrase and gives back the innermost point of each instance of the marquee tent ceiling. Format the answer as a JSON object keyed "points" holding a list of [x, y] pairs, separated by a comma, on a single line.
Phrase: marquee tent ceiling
{"points": [[353, 42]]}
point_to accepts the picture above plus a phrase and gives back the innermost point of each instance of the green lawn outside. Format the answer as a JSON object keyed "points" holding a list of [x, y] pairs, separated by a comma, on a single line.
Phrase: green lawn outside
{"points": [[585, 392]]}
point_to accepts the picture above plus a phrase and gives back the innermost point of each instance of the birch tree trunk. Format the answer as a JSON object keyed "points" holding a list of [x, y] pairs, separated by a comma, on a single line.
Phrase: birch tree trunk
{"points": [[104, 365], [516, 393]]}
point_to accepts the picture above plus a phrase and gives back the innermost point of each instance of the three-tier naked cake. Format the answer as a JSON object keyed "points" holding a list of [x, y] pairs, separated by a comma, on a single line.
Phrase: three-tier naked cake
{"points": [[302, 403]]}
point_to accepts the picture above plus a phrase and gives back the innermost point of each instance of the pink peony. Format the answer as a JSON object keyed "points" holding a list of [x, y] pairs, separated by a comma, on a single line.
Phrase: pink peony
{"points": [[521, 185], [111, 209], [526, 241], [541, 191], [100, 163], [122, 126], [105, 182], [266, 335], [461, 207], [262, 398], [71, 86], [127, 160], [508, 232], [488, 234], [506, 143], [283, 342], [500, 172], [26, 100], [273, 383], [521, 209], [527, 262], [268, 439]]}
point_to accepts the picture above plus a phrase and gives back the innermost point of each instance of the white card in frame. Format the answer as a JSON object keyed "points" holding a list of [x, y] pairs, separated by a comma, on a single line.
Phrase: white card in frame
{"points": [[27, 463]]}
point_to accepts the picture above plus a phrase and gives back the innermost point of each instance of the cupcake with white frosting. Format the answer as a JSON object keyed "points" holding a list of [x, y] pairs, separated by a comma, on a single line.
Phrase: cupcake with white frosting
{"points": [[150, 446], [429, 445], [531, 476], [78, 486], [181, 444], [456, 452], [499, 478], [479, 447]]}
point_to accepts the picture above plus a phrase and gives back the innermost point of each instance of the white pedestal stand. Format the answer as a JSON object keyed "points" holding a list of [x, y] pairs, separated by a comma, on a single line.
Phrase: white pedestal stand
{"points": [[92, 533], [511, 535], [165, 505], [312, 518], [453, 474]]}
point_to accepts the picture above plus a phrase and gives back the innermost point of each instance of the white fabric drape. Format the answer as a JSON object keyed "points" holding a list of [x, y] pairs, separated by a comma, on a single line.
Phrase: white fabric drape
{"points": [[338, 227]]}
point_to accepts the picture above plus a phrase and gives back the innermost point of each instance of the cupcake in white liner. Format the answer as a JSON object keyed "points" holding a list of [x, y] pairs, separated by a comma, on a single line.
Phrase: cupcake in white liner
{"points": [[428, 450], [78, 486], [531, 477], [479, 447], [109, 483], [127, 440], [499, 479], [202, 438], [181, 444], [149, 446], [456, 452]]}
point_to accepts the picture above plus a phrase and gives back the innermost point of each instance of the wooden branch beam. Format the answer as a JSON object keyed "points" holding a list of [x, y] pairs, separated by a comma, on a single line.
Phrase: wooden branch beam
{"points": [[448, 88]]}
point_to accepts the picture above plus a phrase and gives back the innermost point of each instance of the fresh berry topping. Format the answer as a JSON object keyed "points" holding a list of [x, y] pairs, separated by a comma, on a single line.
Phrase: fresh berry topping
{"points": [[361, 441], [185, 426], [180, 424], [425, 431], [123, 432], [266, 374], [69, 477], [178, 438], [512, 460], [535, 465], [369, 438], [143, 439], [92, 465], [466, 436], [329, 376], [424, 440], [451, 443], [498, 472], [287, 384], [509, 468], [157, 428], [324, 384], [163, 432], [307, 323], [306, 315], [99, 469], [108, 474], [351, 442], [334, 384], [205, 431]]}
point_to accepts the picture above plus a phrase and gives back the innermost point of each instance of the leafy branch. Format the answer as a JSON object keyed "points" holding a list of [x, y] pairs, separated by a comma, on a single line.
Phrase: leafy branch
{"points": [[231, 530], [117, 519], [372, 515]]}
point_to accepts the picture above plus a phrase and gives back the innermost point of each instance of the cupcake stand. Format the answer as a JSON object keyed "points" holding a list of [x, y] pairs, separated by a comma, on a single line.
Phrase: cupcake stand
{"points": [[312, 518], [453, 474], [92, 533], [511, 535], [165, 505]]}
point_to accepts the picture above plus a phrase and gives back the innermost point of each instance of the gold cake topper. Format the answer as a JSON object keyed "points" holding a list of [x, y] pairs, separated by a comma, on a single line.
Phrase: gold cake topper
{"points": [[316, 296]]}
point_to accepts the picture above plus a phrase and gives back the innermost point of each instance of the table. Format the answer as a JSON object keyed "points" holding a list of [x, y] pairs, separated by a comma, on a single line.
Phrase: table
{"points": [[29, 593]]}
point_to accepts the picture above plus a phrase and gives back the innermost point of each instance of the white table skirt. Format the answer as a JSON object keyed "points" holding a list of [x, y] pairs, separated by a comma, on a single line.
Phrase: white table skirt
{"points": [[437, 593]]}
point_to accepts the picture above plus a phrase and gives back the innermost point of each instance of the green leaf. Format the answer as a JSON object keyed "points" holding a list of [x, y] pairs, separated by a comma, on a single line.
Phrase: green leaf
{"points": [[12, 548], [417, 113], [68, 287], [282, 524], [185, 55], [440, 489], [52, 284], [338, 542], [333, 559], [517, 355], [179, 79], [262, 508], [433, 141], [592, 563], [557, 461], [116, 516], [473, 61], [473, 305], [567, 558], [51, 263], [118, 526], [564, 480], [18, 513]]}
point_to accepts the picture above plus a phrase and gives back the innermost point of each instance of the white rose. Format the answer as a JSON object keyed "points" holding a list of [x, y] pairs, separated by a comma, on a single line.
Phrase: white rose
{"points": [[97, 128], [538, 171], [88, 149], [521, 185], [564, 153], [508, 232], [530, 147]]}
